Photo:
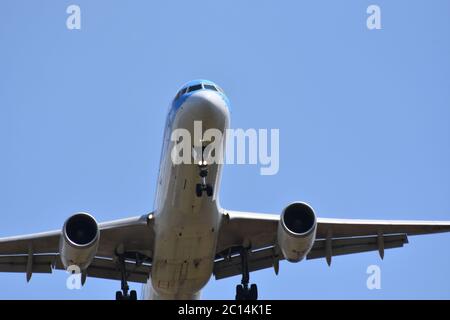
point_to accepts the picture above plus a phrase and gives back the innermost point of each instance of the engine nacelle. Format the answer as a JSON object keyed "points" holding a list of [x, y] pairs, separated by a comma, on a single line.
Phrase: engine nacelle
{"points": [[79, 240], [296, 231]]}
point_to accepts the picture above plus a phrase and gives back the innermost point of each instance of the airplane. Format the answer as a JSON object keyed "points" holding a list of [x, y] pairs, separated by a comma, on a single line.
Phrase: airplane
{"points": [[188, 237]]}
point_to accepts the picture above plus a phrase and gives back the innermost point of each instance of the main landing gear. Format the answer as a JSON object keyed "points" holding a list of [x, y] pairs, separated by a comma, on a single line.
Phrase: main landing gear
{"points": [[203, 186], [243, 292], [123, 295]]}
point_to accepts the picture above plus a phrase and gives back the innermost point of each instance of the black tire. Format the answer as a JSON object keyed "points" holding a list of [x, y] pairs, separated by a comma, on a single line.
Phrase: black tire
{"points": [[198, 190], [239, 292], [253, 292], [119, 295], [209, 190], [133, 295]]}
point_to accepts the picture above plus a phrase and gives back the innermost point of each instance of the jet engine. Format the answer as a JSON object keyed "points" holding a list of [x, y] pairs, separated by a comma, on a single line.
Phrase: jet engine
{"points": [[79, 240], [296, 231]]}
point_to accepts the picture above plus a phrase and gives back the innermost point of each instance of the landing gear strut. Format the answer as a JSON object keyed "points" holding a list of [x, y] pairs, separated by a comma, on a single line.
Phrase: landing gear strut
{"points": [[123, 295], [203, 186], [243, 292]]}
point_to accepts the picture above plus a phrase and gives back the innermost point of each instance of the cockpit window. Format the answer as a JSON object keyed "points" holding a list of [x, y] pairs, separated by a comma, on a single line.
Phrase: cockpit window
{"points": [[219, 89], [210, 87], [180, 93], [194, 88]]}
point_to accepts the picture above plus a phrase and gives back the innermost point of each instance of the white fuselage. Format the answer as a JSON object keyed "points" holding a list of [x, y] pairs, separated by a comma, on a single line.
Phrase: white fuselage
{"points": [[186, 226]]}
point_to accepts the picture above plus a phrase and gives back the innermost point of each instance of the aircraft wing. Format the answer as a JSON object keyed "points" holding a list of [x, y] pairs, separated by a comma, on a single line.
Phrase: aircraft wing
{"points": [[39, 253], [333, 237]]}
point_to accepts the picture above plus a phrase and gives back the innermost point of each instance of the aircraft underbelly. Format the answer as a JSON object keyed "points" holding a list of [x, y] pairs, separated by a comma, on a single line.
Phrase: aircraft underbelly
{"points": [[186, 236], [186, 233], [186, 226]]}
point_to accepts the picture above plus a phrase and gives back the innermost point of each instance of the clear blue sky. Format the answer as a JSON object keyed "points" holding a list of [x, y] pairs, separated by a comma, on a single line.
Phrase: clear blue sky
{"points": [[364, 119]]}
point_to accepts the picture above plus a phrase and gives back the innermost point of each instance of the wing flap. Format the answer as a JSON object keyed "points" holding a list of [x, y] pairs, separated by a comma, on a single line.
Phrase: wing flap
{"points": [[342, 246], [106, 268], [257, 260], [19, 263]]}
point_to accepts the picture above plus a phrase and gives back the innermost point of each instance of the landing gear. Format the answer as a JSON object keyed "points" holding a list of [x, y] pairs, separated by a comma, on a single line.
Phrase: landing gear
{"points": [[131, 296], [243, 292], [203, 186], [209, 190], [123, 295], [199, 188], [246, 294]]}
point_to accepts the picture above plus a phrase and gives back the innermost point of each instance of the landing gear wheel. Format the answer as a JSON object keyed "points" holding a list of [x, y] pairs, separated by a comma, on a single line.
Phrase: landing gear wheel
{"points": [[245, 293], [198, 190], [131, 296], [209, 190], [253, 293], [239, 292]]}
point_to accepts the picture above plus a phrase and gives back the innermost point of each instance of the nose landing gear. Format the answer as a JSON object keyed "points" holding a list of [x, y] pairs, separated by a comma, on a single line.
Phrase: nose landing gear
{"points": [[243, 292], [203, 186]]}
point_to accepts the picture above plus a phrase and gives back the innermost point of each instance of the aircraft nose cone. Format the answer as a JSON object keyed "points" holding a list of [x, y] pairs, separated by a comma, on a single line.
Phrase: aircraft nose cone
{"points": [[206, 105], [206, 99]]}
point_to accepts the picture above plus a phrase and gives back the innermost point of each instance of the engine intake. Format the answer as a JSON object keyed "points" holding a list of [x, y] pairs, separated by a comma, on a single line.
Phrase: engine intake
{"points": [[296, 231], [79, 240]]}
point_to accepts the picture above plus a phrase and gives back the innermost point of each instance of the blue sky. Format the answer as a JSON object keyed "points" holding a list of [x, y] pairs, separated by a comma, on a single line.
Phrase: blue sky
{"points": [[364, 119]]}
